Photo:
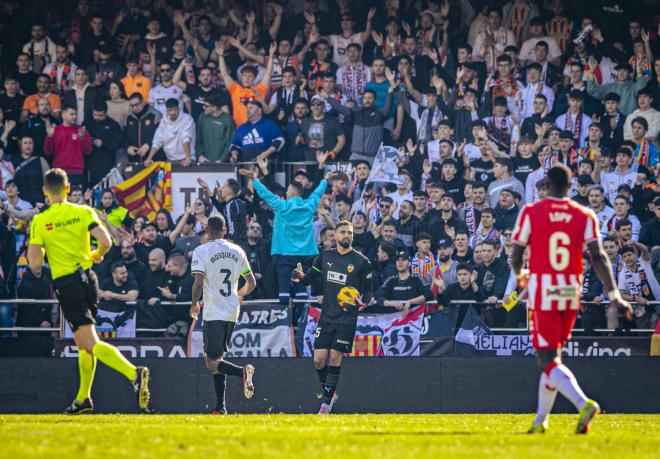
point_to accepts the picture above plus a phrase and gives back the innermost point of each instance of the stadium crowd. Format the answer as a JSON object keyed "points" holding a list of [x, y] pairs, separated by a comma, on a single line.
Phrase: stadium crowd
{"points": [[479, 97]]}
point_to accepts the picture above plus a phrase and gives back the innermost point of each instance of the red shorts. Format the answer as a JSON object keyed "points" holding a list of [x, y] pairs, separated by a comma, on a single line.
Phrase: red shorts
{"points": [[551, 329]]}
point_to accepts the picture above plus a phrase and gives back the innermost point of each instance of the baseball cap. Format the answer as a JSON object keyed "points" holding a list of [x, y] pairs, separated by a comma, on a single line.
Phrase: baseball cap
{"points": [[444, 242], [402, 254]]}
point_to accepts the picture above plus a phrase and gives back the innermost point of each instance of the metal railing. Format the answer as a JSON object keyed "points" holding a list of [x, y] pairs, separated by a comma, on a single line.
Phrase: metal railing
{"points": [[34, 302]]}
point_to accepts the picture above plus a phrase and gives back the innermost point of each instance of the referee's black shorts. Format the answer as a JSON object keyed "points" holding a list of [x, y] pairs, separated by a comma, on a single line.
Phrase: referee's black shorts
{"points": [[217, 337], [78, 299]]}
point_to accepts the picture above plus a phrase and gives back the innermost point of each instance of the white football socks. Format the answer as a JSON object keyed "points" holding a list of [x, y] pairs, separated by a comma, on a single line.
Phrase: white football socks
{"points": [[563, 379], [547, 396]]}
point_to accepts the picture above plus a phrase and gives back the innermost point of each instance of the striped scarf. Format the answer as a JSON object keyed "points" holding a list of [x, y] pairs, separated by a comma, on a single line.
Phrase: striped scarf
{"points": [[463, 86], [498, 87], [643, 153], [353, 81], [576, 128], [422, 265]]}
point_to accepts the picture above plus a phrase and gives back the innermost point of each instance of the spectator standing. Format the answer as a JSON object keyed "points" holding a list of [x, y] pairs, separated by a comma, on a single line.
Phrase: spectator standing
{"points": [[43, 91], [258, 137], [638, 284], [11, 102], [160, 94], [320, 132], [178, 287], [68, 144], [29, 171], [492, 276], [135, 81], [116, 291], [502, 170], [246, 90], [41, 49], [403, 290], [140, 129], [231, 206], [623, 86], [81, 96], [368, 121], [215, 129], [175, 135], [466, 288], [106, 137]]}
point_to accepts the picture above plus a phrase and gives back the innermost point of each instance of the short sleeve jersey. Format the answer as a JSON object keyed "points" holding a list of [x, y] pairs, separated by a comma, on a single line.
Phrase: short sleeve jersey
{"points": [[222, 263], [239, 96], [556, 232], [63, 231]]}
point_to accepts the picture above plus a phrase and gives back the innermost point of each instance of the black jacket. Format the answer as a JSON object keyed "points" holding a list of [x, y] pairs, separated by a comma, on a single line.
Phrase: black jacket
{"points": [[235, 213], [69, 100], [492, 279], [506, 218], [103, 158], [140, 128], [35, 127]]}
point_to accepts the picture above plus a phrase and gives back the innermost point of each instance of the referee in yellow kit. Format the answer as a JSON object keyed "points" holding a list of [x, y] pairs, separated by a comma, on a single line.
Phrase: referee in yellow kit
{"points": [[63, 232]]}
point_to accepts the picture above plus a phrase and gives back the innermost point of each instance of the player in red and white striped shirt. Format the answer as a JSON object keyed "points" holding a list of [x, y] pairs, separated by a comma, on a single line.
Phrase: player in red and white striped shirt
{"points": [[556, 231]]}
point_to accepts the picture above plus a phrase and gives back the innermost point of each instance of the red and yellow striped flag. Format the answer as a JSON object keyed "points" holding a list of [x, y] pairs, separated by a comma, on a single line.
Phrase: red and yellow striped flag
{"points": [[366, 346], [147, 192]]}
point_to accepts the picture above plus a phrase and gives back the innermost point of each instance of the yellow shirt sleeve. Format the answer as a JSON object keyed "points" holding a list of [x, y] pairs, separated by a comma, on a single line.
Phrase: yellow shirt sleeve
{"points": [[36, 237], [91, 218]]}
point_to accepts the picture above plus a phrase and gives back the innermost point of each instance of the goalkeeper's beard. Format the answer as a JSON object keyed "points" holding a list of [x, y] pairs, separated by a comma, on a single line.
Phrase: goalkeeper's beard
{"points": [[345, 243]]}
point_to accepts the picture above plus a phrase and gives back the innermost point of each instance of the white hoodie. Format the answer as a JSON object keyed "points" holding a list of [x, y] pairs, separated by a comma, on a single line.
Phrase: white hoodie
{"points": [[171, 135]]}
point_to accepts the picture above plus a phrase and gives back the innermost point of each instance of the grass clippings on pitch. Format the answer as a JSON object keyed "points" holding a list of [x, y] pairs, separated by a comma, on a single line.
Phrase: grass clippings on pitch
{"points": [[330, 437]]}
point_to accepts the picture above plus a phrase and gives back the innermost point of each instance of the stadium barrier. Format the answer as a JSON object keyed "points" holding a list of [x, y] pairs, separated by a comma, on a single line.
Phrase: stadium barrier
{"points": [[378, 385], [35, 302]]}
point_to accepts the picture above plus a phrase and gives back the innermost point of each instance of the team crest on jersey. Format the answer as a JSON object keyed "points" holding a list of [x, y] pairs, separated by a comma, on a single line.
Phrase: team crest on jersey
{"points": [[336, 278], [350, 268], [147, 122]]}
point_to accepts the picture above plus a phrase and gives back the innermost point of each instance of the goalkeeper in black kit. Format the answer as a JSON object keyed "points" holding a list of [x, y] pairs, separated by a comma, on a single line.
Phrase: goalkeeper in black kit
{"points": [[345, 275]]}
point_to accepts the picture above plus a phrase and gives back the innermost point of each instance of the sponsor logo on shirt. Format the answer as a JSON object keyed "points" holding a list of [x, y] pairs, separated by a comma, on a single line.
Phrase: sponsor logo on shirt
{"points": [[337, 278]]}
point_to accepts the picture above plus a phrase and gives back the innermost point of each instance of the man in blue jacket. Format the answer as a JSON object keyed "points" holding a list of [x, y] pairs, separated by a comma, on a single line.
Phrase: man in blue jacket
{"points": [[293, 232]]}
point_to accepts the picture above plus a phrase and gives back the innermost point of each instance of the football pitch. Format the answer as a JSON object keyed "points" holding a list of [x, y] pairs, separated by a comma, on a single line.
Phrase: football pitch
{"points": [[330, 437]]}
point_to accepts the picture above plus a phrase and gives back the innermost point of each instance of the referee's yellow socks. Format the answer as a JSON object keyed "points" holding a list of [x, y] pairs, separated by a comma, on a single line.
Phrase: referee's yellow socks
{"points": [[86, 369], [111, 356]]}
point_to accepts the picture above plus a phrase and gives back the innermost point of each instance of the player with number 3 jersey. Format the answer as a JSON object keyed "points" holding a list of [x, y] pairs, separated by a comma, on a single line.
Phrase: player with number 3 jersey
{"points": [[556, 232], [217, 267]]}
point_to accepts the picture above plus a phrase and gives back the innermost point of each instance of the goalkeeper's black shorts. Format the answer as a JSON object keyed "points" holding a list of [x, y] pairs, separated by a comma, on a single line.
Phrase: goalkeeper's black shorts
{"points": [[334, 334]]}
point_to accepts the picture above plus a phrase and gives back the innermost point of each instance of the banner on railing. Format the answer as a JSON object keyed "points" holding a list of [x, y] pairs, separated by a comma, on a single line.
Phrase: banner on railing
{"points": [[521, 345], [261, 331], [384, 335], [111, 324]]}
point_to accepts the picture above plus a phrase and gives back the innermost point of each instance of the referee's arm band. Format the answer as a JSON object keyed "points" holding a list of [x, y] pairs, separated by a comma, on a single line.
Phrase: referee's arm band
{"points": [[92, 226], [246, 271]]}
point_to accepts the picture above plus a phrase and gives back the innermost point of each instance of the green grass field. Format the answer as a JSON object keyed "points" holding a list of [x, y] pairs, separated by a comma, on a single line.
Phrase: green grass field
{"points": [[332, 437]]}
